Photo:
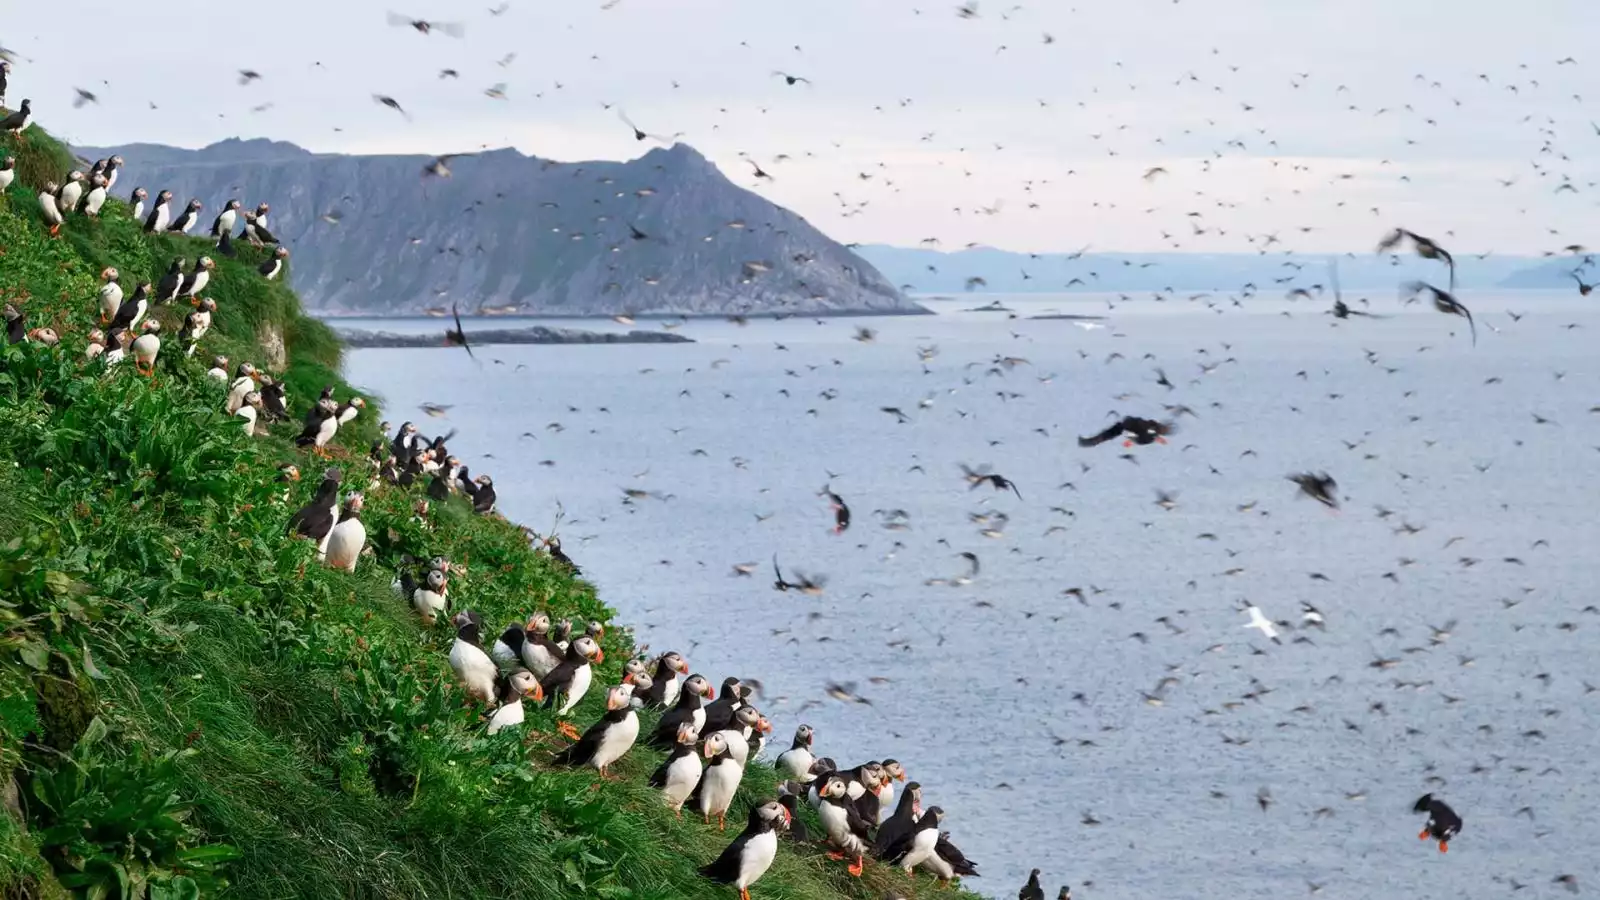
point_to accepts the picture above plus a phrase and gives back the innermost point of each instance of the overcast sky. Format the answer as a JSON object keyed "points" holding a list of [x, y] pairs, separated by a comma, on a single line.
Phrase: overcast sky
{"points": [[1268, 116]]}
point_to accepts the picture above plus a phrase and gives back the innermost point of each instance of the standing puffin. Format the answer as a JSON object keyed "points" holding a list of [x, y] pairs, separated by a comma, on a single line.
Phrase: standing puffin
{"points": [[160, 213], [570, 680], [18, 122], [8, 172], [219, 368], [511, 689], [321, 425], [274, 400], [846, 830], [483, 498], [70, 193], [665, 689], [146, 346], [196, 280], [473, 667], [110, 295], [274, 264], [1032, 890], [432, 596], [96, 196], [719, 782], [680, 771], [96, 346], [255, 229], [117, 341], [920, 848], [316, 519], [187, 219], [167, 287], [245, 379], [796, 761], [136, 200], [196, 324], [247, 413], [223, 223], [16, 325], [744, 861], [50, 208], [539, 653], [1443, 822], [901, 823], [113, 166], [347, 412], [349, 535], [689, 710], [608, 739], [132, 310]]}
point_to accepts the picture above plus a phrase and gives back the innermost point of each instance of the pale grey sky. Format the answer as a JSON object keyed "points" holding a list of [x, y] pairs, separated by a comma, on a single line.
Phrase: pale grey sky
{"points": [[960, 124]]}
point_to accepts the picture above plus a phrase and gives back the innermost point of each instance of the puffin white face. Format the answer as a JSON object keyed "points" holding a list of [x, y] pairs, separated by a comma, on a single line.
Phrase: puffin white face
{"points": [[893, 769], [97, 336], [747, 716], [206, 262], [674, 660], [354, 502], [538, 623], [586, 645], [234, 204], [50, 187], [774, 812], [140, 193], [619, 697], [152, 325], [697, 684], [641, 682], [358, 403], [436, 581], [484, 480], [687, 733], [74, 175], [835, 787], [109, 273], [220, 362], [281, 253], [632, 669], [715, 745], [804, 735], [45, 336], [164, 197], [523, 682], [290, 471], [252, 399]]}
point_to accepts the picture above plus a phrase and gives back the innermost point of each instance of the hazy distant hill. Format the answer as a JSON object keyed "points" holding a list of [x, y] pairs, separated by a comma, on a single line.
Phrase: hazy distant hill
{"points": [[508, 230], [1551, 273], [1007, 272]]}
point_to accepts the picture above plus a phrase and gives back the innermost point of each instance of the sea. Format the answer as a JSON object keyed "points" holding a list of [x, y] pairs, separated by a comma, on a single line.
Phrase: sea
{"points": [[1089, 701]]}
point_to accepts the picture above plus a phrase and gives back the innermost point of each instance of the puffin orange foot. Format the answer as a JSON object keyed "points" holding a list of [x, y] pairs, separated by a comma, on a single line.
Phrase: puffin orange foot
{"points": [[722, 822], [1422, 835], [744, 894], [567, 729], [855, 868], [1161, 440], [55, 230], [1444, 846], [1127, 443], [834, 854]]}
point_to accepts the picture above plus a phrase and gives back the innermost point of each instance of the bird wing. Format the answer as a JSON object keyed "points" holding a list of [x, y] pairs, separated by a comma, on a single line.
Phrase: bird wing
{"points": [[1111, 432], [460, 333]]}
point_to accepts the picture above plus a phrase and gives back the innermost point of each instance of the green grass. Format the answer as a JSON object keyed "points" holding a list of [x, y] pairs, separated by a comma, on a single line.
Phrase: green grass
{"points": [[178, 679]]}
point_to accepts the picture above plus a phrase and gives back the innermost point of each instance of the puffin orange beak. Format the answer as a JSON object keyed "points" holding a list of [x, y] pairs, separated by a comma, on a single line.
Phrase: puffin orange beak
{"points": [[900, 777], [711, 693], [628, 678], [538, 693], [707, 751], [194, 302], [600, 655]]}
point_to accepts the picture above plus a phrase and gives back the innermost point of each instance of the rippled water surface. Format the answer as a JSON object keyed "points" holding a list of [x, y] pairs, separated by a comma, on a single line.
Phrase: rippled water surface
{"points": [[1454, 658]]}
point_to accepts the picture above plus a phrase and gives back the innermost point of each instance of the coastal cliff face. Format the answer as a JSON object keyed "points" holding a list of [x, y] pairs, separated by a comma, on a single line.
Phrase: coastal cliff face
{"points": [[664, 233]]}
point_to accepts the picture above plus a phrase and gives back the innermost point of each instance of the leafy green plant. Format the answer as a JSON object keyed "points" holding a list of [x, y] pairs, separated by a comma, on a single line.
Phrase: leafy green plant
{"points": [[114, 826]]}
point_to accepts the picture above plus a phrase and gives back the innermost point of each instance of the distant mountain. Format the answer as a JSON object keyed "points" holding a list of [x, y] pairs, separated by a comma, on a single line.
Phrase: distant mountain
{"points": [[507, 232], [1551, 273], [932, 271]]}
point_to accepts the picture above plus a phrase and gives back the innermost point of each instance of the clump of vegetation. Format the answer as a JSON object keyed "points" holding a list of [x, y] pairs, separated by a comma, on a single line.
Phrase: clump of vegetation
{"points": [[190, 705]]}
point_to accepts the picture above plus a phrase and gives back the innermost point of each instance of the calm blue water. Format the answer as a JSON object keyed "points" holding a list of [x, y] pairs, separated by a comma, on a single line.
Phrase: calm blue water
{"points": [[971, 686]]}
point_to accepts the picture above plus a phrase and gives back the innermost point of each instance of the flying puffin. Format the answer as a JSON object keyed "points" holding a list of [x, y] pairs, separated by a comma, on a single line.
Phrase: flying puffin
{"points": [[743, 862], [719, 781], [316, 519], [919, 848], [796, 761], [96, 346], [110, 296], [219, 368], [245, 379], [146, 346], [1443, 823], [349, 536], [689, 710], [50, 208], [18, 122], [570, 680], [136, 200], [321, 425], [95, 198], [8, 172], [665, 688], [70, 193], [274, 263], [160, 213], [405, 441], [680, 771], [846, 830], [198, 278], [223, 223], [608, 739], [247, 413], [167, 287], [512, 687], [197, 323], [473, 667], [186, 220], [1138, 430]]}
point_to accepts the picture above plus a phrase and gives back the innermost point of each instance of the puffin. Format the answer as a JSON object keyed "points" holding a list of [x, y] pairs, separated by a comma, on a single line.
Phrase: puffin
{"points": [[680, 771], [196, 324], [316, 519], [45, 336], [349, 536], [95, 198], [196, 280], [16, 325], [224, 245], [50, 208], [274, 402], [405, 441], [1138, 430], [113, 166], [5, 75], [719, 781], [8, 172], [746, 720], [245, 379], [789, 795], [901, 823], [431, 596], [539, 653], [223, 223], [255, 230], [1443, 822], [247, 412], [720, 711], [320, 427], [136, 200], [219, 368], [18, 122], [845, 829], [167, 287], [439, 487], [511, 688], [570, 680], [117, 341], [110, 295], [743, 862], [664, 691], [186, 220], [160, 214], [348, 411], [689, 710], [919, 848], [70, 193], [473, 667], [132, 310], [97, 344], [274, 263], [796, 761], [954, 858], [1032, 890], [146, 346], [892, 772], [261, 217], [483, 497], [610, 738]]}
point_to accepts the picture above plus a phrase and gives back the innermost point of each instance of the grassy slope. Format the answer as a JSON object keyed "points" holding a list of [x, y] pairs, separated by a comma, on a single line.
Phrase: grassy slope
{"points": [[326, 740]]}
